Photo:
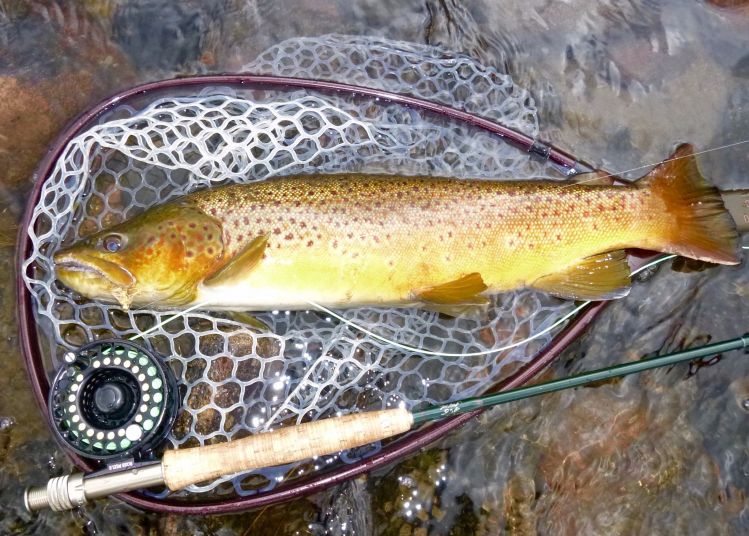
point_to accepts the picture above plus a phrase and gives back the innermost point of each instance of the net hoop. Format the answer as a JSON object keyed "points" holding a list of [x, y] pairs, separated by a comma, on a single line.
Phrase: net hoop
{"points": [[390, 453]]}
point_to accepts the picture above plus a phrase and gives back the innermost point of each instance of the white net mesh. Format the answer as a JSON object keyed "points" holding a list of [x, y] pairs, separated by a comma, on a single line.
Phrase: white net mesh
{"points": [[233, 380]]}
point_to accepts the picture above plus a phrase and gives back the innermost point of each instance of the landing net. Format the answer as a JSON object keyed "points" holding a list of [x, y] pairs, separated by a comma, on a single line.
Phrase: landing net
{"points": [[234, 380]]}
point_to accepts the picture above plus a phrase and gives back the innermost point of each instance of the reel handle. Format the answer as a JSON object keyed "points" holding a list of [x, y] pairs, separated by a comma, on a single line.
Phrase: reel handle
{"points": [[316, 438]]}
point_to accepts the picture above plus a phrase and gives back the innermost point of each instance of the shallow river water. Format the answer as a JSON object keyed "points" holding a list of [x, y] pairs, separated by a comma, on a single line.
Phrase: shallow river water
{"points": [[618, 83]]}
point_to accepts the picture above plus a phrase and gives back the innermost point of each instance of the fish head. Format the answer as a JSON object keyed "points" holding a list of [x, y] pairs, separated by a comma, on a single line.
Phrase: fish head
{"points": [[157, 258]]}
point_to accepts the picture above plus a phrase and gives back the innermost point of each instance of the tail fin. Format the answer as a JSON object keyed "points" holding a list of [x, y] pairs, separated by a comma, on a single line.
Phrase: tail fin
{"points": [[703, 228]]}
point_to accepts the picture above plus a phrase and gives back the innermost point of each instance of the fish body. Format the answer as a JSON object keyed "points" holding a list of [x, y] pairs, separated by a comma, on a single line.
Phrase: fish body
{"points": [[352, 240]]}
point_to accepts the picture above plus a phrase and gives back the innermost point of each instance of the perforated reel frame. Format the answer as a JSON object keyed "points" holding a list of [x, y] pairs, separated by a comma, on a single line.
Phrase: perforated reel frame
{"points": [[113, 399]]}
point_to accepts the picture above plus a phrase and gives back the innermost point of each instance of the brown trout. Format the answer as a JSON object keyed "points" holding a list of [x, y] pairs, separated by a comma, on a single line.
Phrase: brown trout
{"points": [[353, 240]]}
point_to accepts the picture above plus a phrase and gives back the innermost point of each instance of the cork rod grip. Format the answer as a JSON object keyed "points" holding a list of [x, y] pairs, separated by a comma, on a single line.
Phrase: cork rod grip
{"points": [[316, 438]]}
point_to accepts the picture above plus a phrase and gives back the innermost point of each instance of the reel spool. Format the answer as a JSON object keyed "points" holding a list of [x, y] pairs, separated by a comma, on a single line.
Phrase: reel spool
{"points": [[113, 399]]}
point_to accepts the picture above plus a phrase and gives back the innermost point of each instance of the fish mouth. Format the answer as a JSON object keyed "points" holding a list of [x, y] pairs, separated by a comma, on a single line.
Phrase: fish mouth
{"points": [[113, 273]]}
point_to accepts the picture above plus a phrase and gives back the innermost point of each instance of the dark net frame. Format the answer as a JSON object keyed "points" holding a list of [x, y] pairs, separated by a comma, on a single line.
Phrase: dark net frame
{"points": [[389, 453]]}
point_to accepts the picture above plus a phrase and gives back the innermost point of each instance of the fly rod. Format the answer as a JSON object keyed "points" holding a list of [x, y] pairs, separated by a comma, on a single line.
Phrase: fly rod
{"points": [[180, 468]]}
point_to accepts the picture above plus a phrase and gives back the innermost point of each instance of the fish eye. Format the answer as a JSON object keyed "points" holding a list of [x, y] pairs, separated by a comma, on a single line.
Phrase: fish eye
{"points": [[112, 243]]}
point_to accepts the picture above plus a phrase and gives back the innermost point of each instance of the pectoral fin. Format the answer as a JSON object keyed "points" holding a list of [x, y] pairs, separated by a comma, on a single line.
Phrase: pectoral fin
{"points": [[240, 264], [249, 320], [600, 277], [463, 291]]}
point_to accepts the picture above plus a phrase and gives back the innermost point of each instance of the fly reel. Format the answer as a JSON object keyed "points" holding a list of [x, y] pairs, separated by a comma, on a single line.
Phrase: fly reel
{"points": [[113, 399]]}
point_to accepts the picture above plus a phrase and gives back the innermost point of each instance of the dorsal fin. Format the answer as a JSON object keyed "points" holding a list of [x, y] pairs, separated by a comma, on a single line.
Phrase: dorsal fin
{"points": [[594, 178]]}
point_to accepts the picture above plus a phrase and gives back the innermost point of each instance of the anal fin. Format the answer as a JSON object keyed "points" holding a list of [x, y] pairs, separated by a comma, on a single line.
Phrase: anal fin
{"points": [[456, 310], [463, 291], [601, 277], [239, 265]]}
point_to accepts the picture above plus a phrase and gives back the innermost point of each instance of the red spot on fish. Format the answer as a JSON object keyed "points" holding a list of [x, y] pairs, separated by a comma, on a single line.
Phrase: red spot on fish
{"points": [[277, 230], [601, 207], [246, 220], [240, 237], [189, 254], [559, 237], [595, 226], [309, 243], [391, 263], [335, 244], [192, 225], [586, 214], [209, 251], [289, 236], [213, 212], [512, 242]]}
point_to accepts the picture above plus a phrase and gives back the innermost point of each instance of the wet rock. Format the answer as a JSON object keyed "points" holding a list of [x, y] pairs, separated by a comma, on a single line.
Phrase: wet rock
{"points": [[408, 497], [179, 31], [68, 63]]}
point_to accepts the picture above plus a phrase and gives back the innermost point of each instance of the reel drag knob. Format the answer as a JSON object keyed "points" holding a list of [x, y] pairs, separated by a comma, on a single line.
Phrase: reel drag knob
{"points": [[112, 398]]}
